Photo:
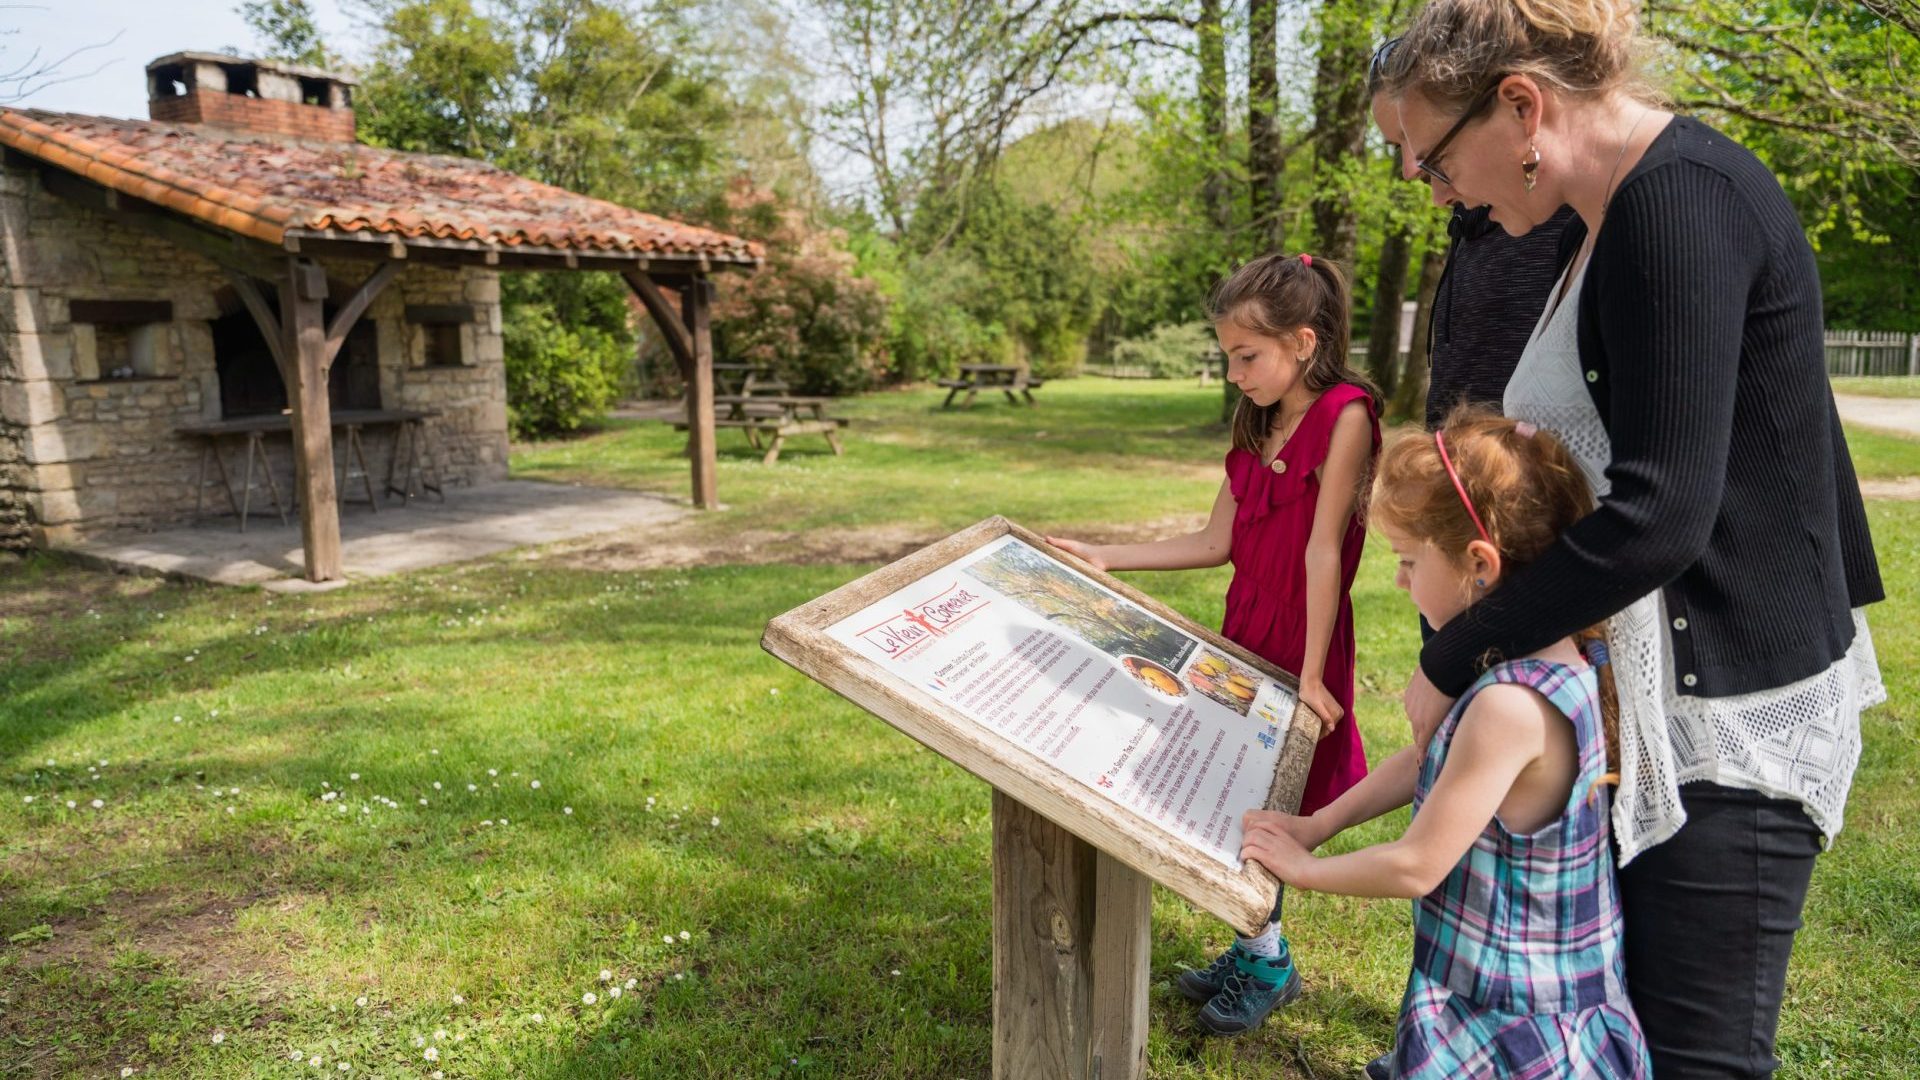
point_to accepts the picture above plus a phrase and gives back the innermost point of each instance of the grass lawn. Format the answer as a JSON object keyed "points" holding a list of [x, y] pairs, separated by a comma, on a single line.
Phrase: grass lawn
{"points": [[319, 833], [1902, 386]]}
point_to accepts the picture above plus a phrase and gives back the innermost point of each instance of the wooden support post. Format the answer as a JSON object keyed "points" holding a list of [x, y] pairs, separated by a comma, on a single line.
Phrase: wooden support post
{"points": [[1070, 954], [1122, 963], [690, 339], [303, 294], [696, 307]]}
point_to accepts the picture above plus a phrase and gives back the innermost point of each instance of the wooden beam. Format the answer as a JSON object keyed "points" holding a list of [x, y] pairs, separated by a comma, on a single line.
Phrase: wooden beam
{"points": [[304, 340], [696, 308], [120, 312], [356, 306], [421, 314], [263, 317], [679, 341]]}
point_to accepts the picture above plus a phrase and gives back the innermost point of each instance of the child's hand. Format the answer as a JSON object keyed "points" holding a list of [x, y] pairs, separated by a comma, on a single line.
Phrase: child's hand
{"points": [[1273, 844], [1088, 553], [1426, 707], [1315, 695], [1306, 828]]}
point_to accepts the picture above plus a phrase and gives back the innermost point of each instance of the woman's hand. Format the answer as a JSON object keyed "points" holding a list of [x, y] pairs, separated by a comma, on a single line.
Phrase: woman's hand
{"points": [[1272, 844], [1315, 695], [1426, 707], [1087, 553]]}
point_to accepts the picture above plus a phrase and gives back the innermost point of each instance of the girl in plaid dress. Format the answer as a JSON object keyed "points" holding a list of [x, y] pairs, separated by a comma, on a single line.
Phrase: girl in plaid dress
{"points": [[1517, 968]]}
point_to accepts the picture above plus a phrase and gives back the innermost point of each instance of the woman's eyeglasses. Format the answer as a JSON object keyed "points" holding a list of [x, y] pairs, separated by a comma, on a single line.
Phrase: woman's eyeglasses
{"points": [[1377, 69], [1480, 102]]}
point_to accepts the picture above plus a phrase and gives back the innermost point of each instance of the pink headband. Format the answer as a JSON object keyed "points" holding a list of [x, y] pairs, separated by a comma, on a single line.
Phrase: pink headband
{"points": [[1459, 487]]}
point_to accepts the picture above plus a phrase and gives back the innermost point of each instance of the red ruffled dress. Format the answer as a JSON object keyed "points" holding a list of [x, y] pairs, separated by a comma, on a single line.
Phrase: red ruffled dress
{"points": [[1267, 601]]}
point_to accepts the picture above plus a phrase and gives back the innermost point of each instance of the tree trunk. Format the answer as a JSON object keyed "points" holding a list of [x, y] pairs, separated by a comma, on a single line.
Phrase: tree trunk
{"points": [[1383, 337], [1410, 400], [1264, 159], [1339, 129], [1217, 194]]}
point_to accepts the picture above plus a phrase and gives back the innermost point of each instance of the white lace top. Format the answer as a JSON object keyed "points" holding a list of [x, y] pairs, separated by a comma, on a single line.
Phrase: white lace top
{"points": [[1800, 741]]}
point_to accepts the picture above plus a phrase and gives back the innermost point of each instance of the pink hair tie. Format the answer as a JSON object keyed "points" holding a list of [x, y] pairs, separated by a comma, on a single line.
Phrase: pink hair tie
{"points": [[1525, 430], [1459, 487], [1306, 260]]}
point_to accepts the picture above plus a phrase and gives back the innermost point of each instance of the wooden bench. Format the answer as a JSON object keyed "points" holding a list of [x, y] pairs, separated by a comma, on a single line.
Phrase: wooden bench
{"points": [[778, 429], [977, 377]]}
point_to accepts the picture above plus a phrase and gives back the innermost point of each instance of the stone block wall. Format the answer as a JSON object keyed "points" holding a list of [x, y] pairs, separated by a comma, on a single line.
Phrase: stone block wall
{"points": [[80, 455]]}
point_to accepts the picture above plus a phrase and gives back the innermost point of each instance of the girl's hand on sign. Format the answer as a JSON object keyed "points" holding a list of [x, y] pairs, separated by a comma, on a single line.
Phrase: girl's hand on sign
{"points": [[1315, 695], [1309, 830], [1087, 553], [1273, 845]]}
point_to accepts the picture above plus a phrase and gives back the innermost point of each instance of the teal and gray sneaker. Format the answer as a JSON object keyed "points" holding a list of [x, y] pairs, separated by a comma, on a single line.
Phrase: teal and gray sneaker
{"points": [[1252, 988], [1198, 985]]}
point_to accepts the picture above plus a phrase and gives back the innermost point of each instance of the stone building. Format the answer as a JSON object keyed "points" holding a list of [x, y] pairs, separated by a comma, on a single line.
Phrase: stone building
{"points": [[239, 255]]}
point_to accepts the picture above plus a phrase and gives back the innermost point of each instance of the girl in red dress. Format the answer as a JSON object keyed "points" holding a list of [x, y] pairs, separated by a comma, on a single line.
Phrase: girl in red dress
{"points": [[1304, 439]]}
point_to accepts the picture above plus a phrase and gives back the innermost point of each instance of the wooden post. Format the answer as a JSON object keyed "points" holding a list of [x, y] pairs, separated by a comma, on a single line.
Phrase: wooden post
{"points": [[303, 294], [690, 338], [1070, 954], [696, 308]]}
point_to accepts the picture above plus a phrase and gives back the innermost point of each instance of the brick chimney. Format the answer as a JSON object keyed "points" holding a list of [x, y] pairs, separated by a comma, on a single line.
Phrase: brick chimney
{"points": [[251, 95]]}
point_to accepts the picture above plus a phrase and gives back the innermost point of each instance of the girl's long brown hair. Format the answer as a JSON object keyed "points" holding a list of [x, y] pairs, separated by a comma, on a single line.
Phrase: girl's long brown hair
{"points": [[1274, 296], [1527, 489]]}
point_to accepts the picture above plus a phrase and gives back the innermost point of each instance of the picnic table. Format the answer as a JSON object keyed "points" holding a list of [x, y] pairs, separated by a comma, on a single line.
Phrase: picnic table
{"points": [[776, 416], [733, 379], [1007, 378]]}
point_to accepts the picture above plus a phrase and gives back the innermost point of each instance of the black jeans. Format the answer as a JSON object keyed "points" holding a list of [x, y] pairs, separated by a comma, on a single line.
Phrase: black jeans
{"points": [[1710, 916]]}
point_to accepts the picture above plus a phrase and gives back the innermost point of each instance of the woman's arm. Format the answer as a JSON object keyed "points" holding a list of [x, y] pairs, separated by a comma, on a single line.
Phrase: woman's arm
{"points": [[1347, 451], [1669, 278], [1190, 551], [1503, 731]]}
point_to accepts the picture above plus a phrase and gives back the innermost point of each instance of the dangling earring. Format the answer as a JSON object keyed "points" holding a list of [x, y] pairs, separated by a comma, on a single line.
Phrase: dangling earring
{"points": [[1531, 165]]}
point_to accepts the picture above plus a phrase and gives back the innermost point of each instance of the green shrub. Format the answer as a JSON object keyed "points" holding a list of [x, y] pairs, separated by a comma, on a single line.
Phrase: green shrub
{"points": [[1169, 352], [569, 350]]}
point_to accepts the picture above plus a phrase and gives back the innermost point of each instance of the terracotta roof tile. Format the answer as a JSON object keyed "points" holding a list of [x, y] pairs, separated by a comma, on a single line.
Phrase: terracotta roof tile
{"points": [[262, 186]]}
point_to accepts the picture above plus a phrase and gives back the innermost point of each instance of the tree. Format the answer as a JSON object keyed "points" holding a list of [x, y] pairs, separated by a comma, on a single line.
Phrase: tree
{"points": [[808, 315], [289, 31], [1266, 157], [35, 73]]}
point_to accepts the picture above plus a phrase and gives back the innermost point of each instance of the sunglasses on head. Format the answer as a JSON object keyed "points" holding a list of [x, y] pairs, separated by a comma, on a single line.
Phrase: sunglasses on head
{"points": [[1376, 77]]}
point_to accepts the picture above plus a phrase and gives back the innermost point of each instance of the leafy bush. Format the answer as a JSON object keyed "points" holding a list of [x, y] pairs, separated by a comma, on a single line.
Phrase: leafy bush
{"points": [[569, 350], [807, 313], [1169, 352]]}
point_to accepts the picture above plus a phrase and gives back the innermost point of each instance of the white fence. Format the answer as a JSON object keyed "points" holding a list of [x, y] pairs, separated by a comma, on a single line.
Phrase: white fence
{"points": [[1868, 352]]}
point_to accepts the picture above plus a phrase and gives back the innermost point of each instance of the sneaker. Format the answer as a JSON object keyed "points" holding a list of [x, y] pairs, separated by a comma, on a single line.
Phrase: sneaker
{"points": [[1381, 1068], [1256, 986], [1198, 985]]}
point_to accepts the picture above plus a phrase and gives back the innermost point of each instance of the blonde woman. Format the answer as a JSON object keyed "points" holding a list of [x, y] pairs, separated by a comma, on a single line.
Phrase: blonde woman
{"points": [[1680, 358]]}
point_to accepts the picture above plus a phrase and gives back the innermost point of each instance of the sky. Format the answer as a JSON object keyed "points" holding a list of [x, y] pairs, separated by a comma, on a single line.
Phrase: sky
{"points": [[109, 78]]}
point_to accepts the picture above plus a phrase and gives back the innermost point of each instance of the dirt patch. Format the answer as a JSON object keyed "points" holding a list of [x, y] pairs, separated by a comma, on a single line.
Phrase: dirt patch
{"points": [[1896, 489], [195, 935], [696, 545]]}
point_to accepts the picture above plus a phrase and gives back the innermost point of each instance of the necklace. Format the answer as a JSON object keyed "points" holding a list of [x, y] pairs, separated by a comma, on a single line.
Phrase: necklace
{"points": [[1606, 197], [1286, 430]]}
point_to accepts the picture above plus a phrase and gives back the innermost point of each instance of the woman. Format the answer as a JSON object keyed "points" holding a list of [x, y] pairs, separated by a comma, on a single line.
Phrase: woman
{"points": [[1680, 357]]}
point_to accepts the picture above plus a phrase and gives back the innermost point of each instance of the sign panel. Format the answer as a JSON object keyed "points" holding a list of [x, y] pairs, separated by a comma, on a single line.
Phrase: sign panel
{"points": [[1115, 717]]}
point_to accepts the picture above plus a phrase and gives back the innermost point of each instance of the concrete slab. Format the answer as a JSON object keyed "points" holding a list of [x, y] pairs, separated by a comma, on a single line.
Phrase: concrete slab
{"points": [[472, 523]]}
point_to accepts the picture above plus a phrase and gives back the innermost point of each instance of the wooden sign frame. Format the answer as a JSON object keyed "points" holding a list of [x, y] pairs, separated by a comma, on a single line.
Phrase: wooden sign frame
{"points": [[1243, 898]]}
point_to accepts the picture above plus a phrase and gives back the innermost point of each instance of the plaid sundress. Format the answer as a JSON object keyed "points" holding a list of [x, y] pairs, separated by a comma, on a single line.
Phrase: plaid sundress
{"points": [[1517, 968]]}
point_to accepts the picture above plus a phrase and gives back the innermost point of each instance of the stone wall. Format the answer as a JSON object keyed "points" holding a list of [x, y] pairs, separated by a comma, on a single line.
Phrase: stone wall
{"points": [[80, 454]]}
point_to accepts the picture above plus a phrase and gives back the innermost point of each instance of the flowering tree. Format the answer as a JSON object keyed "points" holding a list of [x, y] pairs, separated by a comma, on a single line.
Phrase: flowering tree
{"points": [[807, 314]]}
